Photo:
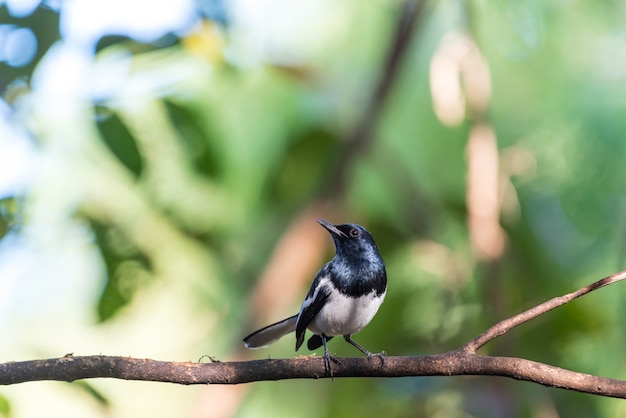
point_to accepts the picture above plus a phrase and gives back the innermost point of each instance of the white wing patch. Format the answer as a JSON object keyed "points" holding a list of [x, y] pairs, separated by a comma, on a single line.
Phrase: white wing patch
{"points": [[325, 282]]}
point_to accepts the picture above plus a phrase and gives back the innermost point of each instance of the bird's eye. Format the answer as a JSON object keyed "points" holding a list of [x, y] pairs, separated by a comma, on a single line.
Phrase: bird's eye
{"points": [[354, 232]]}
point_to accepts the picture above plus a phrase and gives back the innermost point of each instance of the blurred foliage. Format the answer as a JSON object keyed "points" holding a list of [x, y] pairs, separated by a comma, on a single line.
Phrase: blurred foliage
{"points": [[5, 407], [185, 160], [44, 22], [8, 209]]}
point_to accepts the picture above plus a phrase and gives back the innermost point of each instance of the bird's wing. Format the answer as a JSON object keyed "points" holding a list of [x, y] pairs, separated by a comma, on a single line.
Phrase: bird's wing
{"points": [[315, 300], [271, 333]]}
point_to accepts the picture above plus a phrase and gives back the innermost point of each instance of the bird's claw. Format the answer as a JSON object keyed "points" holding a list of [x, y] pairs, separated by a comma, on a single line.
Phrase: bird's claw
{"points": [[380, 355], [327, 359]]}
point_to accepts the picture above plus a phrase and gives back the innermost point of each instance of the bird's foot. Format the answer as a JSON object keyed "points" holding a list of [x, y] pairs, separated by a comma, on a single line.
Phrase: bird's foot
{"points": [[380, 355], [327, 359]]}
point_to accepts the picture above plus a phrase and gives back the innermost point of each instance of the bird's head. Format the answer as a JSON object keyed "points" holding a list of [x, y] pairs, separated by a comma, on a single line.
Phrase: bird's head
{"points": [[352, 241]]}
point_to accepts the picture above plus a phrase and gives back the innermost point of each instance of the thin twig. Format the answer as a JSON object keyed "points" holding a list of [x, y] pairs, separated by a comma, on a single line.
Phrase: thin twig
{"points": [[361, 135], [506, 325]]}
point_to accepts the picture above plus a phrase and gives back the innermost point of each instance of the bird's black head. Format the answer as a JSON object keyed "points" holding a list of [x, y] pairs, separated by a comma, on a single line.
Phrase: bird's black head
{"points": [[357, 269], [352, 241]]}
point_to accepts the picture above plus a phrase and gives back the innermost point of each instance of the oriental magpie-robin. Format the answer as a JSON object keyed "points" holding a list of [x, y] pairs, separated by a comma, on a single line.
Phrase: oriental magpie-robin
{"points": [[344, 297]]}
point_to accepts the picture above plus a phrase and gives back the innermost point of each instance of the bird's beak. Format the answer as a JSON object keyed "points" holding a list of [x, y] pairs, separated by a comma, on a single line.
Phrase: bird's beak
{"points": [[331, 228]]}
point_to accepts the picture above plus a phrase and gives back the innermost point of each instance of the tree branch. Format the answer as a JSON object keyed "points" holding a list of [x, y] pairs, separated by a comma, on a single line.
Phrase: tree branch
{"points": [[453, 363], [464, 361]]}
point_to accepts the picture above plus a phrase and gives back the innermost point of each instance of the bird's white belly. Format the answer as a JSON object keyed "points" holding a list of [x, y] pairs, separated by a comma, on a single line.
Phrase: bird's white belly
{"points": [[343, 315]]}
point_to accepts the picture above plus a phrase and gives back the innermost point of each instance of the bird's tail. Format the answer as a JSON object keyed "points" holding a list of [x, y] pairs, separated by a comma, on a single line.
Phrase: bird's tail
{"points": [[271, 333]]}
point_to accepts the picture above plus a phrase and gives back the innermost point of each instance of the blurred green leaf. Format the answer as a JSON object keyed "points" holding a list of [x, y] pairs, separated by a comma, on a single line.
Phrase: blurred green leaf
{"points": [[116, 136], [94, 393], [5, 407], [8, 213], [127, 270]]}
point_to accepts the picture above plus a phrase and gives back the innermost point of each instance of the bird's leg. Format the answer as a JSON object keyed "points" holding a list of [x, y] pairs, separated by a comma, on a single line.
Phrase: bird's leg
{"points": [[359, 347], [328, 357]]}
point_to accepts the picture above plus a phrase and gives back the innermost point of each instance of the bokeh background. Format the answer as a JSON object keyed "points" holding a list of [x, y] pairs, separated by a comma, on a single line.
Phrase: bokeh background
{"points": [[162, 165]]}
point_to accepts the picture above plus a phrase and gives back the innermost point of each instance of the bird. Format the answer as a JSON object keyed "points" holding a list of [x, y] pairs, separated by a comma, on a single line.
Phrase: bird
{"points": [[345, 295]]}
